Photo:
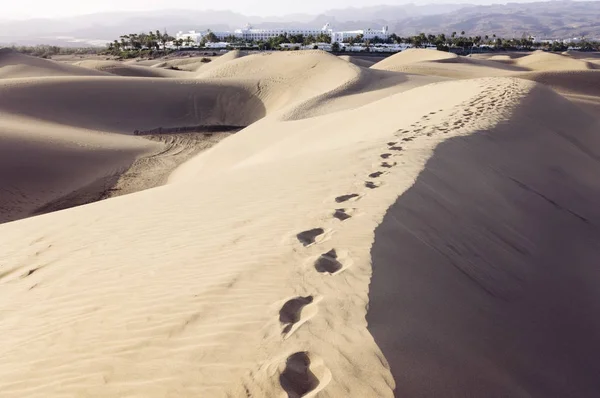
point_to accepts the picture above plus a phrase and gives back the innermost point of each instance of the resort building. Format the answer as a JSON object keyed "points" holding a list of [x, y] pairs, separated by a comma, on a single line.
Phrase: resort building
{"points": [[196, 37], [249, 33], [367, 34]]}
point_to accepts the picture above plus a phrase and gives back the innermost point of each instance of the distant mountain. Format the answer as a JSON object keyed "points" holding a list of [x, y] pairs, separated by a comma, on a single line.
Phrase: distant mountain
{"points": [[551, 19]]}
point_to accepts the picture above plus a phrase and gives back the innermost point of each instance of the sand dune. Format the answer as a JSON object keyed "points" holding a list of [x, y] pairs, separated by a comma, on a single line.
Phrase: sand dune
{"points": [[190, 64], [543, 61], [121, 69], [580, 86], [15, 65], [41, 162], [368, 233], [219, 61], [443, 64], [310, 83], [125, 104], [414, 55]]}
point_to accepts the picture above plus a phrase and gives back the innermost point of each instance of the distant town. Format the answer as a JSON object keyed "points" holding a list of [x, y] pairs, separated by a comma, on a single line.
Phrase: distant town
{"points": [[156, 43], [360, 40]]}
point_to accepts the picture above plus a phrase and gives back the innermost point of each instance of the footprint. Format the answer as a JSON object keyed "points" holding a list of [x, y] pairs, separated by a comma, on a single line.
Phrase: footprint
{"points": [[391, 143], [395, 148], [297, 379], [341, 214], [385, 155], [307, 238], [371, 185], [345, 198], [388, 165], [377, 174], [328, 262], [290, 312], [407, 139]]}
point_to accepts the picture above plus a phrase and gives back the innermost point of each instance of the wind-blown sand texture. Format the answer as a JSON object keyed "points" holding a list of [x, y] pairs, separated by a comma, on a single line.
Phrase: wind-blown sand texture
{"points": [[366, 233]]}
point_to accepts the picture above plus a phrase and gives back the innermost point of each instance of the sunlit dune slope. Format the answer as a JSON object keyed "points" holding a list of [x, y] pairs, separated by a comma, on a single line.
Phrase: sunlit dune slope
{"points": [[544, 61], [443, 64], [310, 83]]}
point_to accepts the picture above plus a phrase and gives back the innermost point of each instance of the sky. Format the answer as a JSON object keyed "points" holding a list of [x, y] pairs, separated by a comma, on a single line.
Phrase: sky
{"points": [[26, 9]]}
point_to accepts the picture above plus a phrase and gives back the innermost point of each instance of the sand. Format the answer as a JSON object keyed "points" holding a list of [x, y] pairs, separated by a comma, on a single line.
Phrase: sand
{"points": [[122, 69], [366, 233]]}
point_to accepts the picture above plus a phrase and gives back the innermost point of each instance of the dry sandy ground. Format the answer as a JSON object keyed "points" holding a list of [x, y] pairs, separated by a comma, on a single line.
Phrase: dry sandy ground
{"points": [[369, 232]]}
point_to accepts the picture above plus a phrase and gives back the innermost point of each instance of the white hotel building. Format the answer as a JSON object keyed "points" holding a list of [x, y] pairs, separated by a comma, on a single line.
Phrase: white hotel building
{"points": [[249, 33]]}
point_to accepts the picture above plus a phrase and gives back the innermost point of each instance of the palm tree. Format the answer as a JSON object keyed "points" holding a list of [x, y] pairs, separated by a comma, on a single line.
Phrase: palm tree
{"points": [[124, 39], [164, 39], [133, 40]]}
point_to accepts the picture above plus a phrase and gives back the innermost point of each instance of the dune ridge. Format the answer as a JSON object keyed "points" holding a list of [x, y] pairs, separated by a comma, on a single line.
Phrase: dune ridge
{"points": [[14, 65], [122, 69], [367, 232]]}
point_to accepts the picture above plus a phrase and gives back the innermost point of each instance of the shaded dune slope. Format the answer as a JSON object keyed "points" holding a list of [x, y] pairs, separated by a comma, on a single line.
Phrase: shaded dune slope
{"points": [[16, 65], [122, 69], [580, 86], [125, 104], [41, 162], [484, 272], [358, 61]]}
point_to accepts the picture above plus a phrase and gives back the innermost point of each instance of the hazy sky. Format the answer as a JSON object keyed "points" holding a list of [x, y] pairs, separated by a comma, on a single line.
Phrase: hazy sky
{"points": [[46, 8], [21, 9]]}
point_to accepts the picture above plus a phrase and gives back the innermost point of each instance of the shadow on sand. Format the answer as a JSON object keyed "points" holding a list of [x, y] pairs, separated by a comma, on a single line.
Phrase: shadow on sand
{"points": [[486, 273]]}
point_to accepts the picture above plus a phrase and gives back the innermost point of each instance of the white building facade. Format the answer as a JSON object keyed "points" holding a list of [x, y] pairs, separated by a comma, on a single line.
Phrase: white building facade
{"points": [[251, 34], [248, 33], [196, 37], [367, 34]]}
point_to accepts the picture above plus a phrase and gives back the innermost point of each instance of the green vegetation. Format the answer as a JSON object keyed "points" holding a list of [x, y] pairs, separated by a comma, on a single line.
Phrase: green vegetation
{"points": [[141, 45], [46, 51], [466, 44]]}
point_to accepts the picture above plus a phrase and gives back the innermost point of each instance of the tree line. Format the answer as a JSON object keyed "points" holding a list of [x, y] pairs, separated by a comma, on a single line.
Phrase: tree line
{"points": [[443, 42]]}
